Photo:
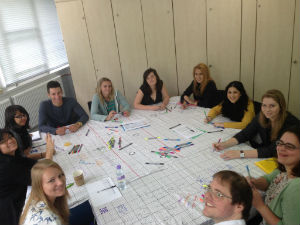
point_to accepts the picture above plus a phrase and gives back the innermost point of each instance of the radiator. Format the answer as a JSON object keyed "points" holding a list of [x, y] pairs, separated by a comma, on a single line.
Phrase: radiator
{"points": [[31, 98], [3, 105]]}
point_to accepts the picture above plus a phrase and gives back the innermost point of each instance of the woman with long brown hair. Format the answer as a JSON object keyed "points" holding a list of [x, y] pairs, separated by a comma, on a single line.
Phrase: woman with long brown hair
{"points": [[202, 87], [263, 131], [15, 176], [47, 203]]}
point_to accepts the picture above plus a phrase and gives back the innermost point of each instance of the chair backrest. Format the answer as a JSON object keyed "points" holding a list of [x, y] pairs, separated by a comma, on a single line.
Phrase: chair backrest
{"points": [[90, 105], [220, 95], [257, 107]]}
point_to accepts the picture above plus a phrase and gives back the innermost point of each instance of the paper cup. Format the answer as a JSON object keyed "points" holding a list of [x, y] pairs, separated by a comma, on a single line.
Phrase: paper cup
{"points": [[78, 177]]}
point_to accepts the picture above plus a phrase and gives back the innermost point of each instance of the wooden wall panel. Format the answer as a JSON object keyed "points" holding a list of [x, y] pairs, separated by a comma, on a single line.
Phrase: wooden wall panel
{"points": [[223, 40], [190, 38], [160, 45], [275, 20], [294, 91], [73, 26], [248, 45], [130, 37], [101, 30]]}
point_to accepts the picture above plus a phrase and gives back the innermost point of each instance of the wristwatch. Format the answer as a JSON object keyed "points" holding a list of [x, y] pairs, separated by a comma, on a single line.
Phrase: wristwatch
{"points": [[242, 154]]}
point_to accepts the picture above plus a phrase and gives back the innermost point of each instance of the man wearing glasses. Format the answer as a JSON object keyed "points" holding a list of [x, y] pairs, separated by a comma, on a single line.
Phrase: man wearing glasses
{"points": [[228, 199]]}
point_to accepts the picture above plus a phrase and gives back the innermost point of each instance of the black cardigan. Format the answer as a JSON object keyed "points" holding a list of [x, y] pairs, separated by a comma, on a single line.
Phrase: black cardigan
{"points": [[265, 148], [14, 179], [207, 99]]}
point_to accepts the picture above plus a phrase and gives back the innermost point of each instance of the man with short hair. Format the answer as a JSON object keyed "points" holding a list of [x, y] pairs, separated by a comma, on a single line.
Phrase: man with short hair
{"points": [[228, 199], [59, 114]]}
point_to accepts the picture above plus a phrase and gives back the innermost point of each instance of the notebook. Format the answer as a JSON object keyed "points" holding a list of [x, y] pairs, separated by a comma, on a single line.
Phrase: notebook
{"points": [[267, 165]]}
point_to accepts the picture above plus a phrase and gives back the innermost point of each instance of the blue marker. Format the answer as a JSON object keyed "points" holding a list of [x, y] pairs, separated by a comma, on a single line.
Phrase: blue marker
{"points": [[111, 127], [248, 171]]}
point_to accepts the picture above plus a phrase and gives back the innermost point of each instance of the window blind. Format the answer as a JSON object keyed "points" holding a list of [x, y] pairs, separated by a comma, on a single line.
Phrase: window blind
{"points": [[31, 42]]}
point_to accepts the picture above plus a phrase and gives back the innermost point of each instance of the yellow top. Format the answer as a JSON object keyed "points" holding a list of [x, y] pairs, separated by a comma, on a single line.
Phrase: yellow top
{"points": [[248, 116]]}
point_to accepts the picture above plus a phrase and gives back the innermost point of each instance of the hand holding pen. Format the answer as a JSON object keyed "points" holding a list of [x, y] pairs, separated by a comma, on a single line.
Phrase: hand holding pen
{"points": [[219, 145]]}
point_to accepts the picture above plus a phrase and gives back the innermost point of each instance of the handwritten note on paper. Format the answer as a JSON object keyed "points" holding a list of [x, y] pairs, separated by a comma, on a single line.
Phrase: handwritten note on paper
{"points": [[187, 131]]}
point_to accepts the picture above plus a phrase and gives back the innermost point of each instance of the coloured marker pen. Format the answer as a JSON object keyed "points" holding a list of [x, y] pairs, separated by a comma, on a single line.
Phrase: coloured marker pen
{"points": [[248, 171]]}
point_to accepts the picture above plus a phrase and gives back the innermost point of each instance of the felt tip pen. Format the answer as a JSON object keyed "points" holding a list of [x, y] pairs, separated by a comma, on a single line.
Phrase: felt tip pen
{"points": [[171, 139], [69, 185], [214, 131], [125, 146], [87, 133], [248, 171], [149, 163], [110, 127], [175, 126], [206, 116]]}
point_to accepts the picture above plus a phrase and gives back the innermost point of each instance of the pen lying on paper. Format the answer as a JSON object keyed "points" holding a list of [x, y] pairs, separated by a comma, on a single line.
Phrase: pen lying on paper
{"points": [[149, 163], [125, 146], [107, 188], [214, 131]]}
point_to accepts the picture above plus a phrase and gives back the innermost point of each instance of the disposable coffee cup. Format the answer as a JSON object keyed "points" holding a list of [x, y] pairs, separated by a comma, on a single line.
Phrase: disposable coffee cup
{"points": [[78, 177]]}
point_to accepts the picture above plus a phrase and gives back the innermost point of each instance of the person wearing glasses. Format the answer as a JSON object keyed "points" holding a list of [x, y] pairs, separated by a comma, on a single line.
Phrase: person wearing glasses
{"points": [[15, 177], [282, 201], [17, 122], [228, 198], [262, 131]]}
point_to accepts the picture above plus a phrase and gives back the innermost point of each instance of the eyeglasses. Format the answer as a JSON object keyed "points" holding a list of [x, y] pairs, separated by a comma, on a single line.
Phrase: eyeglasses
{"points": [[21, 116], [6, 138], [216, 194], [287, 146]]}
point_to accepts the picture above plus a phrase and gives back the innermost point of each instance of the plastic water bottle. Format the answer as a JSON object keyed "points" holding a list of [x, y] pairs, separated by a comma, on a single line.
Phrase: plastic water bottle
{"points": [[121, 182]]}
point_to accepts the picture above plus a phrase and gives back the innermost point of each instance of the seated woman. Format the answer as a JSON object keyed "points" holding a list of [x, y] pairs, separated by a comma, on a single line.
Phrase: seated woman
{"points": [[281, 204], [202, 87], [47, 203], [152, 91], [236, 107], [15, 177], [17, 122], [263, 131], [108, 102]]}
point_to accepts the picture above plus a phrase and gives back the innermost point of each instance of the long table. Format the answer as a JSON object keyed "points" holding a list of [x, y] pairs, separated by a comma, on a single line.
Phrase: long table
{"points": [[156, 194]]}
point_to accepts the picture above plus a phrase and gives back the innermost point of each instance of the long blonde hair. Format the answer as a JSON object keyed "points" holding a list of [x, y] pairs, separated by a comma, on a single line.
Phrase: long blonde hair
{"points": [[278, 97], [206, 78], [60, 206], [99, 92]]}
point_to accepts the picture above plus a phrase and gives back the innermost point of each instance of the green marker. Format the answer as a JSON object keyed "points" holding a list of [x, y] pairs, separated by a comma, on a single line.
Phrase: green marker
{"points": [[70, 185]]}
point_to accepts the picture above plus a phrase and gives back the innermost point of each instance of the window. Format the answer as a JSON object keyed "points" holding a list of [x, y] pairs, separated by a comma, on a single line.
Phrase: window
{"points": [[31, 42]]}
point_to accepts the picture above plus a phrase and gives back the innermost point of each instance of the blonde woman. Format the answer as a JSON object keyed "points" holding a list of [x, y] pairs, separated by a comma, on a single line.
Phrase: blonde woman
{"points": [[202, 87], [107, 102], [47, 203]]}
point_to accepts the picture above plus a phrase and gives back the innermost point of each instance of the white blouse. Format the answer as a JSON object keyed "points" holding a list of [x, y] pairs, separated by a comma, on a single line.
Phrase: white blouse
{"points": [[40, 214]]}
